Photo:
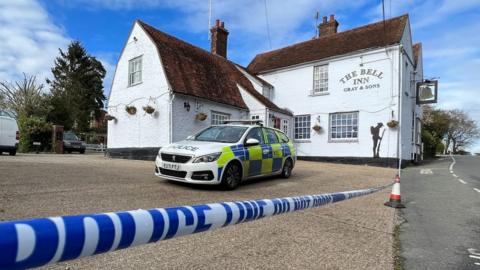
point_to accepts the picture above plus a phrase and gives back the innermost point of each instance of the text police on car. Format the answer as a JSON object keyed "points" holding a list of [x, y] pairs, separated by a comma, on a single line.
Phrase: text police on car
{"points": [[227, 154]]}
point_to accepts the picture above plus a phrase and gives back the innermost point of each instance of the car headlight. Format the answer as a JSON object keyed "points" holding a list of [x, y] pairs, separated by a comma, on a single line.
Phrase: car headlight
{"points": [[207, 158], [67, 143]]}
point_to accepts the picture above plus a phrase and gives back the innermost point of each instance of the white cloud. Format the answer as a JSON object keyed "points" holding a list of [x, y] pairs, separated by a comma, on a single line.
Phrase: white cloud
{"points": [[425, 12], [29, 40]]}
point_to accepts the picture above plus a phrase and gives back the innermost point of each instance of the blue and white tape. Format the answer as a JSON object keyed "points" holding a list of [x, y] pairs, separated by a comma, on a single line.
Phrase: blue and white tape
{"points": [[37, 242]]}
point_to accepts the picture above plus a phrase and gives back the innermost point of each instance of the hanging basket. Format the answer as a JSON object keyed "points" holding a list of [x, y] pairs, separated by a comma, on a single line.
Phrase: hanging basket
{"points": [[149, 109], [131, 110], [317, 128], [392, 124], [201, 116]]}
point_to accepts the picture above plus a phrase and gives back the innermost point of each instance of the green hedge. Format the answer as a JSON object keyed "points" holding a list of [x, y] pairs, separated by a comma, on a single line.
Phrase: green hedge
{"points": [[34, 129]]}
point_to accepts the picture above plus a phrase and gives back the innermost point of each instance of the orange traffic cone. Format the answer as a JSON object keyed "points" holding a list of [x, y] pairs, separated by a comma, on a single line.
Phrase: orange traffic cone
{"points": [[395, 197]]}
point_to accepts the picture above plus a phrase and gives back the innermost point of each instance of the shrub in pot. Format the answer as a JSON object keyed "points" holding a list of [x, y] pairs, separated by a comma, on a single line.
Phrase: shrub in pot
{"points": [[149, 109], [131, 110], [201, 116], [392, 124]]}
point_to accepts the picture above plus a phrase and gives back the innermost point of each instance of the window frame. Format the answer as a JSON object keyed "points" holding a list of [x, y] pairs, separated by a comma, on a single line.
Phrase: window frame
{"points": [[132, 73], [284, 126], [267, 92], [346, 139], [307, 127], [217, 113], [321, 90]]}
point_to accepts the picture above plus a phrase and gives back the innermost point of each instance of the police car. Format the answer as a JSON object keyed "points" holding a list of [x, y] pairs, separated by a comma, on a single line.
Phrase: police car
{"points": [[227, 154]]}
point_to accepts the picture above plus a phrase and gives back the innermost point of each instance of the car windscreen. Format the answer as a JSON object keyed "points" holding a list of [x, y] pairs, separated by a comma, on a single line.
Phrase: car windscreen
{"points": [[70, 137], [226, 134]]}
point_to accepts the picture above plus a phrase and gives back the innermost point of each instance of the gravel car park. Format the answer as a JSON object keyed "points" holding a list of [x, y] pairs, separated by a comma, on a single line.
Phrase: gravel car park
{"points": [[349, 235]]}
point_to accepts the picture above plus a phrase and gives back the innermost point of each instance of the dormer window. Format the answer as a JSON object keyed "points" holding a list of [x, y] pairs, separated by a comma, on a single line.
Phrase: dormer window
{"points": [[267, 92], [135, 71], [320, 79]]}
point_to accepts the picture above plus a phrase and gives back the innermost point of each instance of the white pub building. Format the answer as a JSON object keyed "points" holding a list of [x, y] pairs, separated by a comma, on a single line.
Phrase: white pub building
{"points": [[342, 96]]}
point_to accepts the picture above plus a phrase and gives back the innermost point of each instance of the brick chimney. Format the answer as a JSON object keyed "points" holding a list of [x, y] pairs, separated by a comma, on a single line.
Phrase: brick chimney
{"points": [[219, 39], [327, 28]]}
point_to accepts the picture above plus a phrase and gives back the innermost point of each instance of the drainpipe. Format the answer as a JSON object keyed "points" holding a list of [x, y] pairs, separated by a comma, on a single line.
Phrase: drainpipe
{"points": [[170, 117], [267, 120], [400, 93]]}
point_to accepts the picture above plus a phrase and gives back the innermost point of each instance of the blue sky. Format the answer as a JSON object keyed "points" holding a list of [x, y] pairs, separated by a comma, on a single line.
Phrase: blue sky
{"points": [[32, 31]]}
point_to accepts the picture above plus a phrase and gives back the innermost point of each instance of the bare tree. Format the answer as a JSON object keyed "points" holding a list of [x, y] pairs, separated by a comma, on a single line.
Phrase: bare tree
{"points": [[25, 96], [462, 131]]}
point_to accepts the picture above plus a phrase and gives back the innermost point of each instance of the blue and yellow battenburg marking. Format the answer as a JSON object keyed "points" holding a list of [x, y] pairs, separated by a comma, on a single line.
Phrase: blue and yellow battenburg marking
{"points": [[257, 160], [37, 242]]}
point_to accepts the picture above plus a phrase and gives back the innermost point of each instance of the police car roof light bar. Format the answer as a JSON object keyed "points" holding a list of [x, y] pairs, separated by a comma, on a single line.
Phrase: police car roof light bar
{"points": [[243, 122]]}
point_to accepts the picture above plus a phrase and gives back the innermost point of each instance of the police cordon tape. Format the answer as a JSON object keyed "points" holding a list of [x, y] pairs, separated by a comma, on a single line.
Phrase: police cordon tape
{"points": [[42, 241]]}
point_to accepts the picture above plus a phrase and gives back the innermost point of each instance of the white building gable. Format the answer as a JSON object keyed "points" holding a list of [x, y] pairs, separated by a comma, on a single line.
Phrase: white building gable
{"points": [[141, 129]]}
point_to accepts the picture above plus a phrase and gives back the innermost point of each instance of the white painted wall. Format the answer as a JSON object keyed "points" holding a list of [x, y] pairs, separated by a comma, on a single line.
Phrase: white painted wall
{"points": [[184, 122], [141, 129], [293, 89], [418, 148], [410, 111]]}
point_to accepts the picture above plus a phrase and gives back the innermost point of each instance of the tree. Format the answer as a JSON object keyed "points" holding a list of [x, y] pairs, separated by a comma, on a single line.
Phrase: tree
{"points": [[24, 97], [453, 127], [436, 123], [77, 88], [462, 131]]}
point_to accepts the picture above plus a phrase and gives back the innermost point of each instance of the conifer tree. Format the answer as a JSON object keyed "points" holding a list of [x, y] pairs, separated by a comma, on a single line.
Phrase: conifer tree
{"points": [[76, 88]]}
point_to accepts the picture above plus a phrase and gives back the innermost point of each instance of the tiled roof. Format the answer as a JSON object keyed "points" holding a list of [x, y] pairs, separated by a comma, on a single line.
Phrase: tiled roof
{"points": [[369, 36], [417, 48], [195, 72]]}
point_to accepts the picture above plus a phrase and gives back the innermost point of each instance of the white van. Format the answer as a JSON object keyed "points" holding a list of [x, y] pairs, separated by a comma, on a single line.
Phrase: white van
{"points": [[9, 134]]}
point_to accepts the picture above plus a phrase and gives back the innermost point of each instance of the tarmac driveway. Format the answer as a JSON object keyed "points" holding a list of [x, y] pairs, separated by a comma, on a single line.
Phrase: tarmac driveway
{"points": [[356, 234]]}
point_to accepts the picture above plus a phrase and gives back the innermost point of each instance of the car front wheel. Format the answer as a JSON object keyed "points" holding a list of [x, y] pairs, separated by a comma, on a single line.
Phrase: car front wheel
{"points": [[232, 176]]}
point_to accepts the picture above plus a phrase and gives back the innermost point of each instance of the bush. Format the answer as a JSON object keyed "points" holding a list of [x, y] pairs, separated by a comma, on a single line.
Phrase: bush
{"points": [[430, 144], [440, 148], [34, 129]]}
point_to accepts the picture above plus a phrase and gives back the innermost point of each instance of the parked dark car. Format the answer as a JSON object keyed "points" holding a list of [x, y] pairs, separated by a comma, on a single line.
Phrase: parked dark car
{"points": [[71, 143]]}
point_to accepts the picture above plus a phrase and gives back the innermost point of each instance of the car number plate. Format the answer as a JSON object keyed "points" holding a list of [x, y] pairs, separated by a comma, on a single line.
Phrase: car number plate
{"points": [[171, 166]]}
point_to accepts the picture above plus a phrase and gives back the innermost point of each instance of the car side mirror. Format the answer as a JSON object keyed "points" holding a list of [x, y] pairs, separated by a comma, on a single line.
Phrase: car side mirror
{"points": [[191, 137], [252, 141]]}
